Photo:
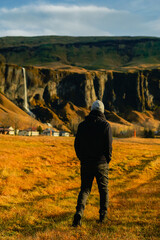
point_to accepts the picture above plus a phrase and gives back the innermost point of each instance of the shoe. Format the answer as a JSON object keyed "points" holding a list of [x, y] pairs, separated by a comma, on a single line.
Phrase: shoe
{"points": [[76, 220], [102, 217]]}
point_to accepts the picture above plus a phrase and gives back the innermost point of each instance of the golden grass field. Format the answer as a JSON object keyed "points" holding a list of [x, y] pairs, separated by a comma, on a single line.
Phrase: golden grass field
{"points": [[40, 180]]}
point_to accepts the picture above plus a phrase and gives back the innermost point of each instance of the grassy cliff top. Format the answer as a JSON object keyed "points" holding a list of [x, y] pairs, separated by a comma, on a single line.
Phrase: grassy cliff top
{"points": [[38, 40], [86, 52]]}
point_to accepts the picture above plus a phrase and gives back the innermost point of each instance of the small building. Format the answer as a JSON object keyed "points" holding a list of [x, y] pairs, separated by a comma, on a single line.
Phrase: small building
{"points": [[55, 133], [23, 133], [3, 130], [64, 134], [8, 130], [51, 132], [157, 133], [29, 132], [46, 132]]}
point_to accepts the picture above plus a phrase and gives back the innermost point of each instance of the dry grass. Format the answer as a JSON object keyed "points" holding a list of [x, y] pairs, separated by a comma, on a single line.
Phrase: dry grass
{"points": [[39, 184]]}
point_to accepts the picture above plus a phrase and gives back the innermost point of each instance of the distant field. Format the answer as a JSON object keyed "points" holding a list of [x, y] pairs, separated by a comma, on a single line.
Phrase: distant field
{"points": [[39, 184]]}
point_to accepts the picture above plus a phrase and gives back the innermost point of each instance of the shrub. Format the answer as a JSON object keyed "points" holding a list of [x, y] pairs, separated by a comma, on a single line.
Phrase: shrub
{"points": [[39, 129], [149, 133]]}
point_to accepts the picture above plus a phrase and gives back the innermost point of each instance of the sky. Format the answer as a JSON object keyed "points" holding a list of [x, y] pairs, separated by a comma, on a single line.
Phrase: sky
{"points": [[80, 17]]}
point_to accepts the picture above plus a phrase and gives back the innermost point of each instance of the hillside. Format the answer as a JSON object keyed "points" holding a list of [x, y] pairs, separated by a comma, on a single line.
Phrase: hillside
{"points": [[40, 182], [86, 52], [11, 115]]}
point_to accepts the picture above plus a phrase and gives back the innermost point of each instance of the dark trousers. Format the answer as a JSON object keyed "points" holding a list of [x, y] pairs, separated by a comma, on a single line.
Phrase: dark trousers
{"points": [[88, 172]]}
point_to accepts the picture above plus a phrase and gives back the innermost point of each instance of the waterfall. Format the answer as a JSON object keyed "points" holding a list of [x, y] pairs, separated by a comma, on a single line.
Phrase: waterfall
{"points": [[25, 90], [25, 94]]}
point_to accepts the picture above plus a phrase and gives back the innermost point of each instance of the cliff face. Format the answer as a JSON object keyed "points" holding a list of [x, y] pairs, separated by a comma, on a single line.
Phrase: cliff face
{"points": [[138, 89]]}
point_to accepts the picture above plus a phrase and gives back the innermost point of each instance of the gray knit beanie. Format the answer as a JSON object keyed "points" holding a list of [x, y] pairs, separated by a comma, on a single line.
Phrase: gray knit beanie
{"points": [[98, 105]]}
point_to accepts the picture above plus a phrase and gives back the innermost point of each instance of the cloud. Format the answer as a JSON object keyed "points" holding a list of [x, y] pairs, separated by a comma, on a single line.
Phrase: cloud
{"points": [[49, 19], [155, 25]]}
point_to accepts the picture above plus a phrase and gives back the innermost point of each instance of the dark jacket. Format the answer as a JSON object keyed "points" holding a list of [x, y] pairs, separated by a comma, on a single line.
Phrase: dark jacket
{"points": [[93, 142]]}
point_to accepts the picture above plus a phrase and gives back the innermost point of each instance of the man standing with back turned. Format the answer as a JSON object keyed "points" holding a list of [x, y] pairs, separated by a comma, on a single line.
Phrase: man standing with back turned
{"points": [[93, 146]]}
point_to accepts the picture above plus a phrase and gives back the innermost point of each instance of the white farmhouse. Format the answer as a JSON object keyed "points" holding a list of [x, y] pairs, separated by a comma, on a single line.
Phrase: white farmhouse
{"points": [[51, 132], [29, 132], [8, 130], [64, 134]]}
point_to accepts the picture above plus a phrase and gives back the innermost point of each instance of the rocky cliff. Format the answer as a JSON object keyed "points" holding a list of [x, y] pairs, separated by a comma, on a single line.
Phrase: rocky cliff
{"points": [[132, 89]]}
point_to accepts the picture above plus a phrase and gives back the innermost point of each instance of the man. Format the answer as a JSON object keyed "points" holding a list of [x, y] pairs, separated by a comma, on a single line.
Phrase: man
{"points": [[93, 146]]}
